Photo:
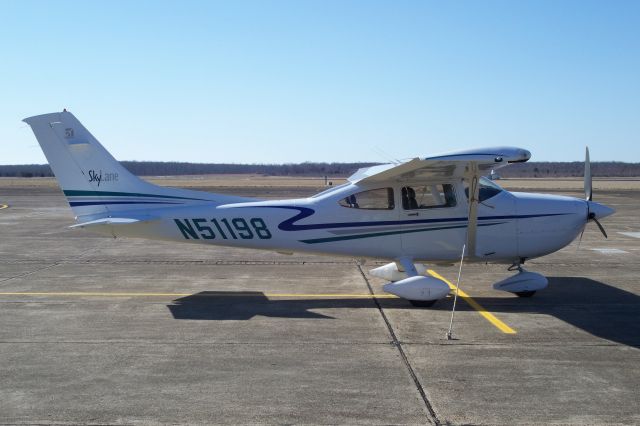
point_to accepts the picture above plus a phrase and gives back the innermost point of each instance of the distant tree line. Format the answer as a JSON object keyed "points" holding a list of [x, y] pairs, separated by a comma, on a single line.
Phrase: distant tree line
{"points": [[153, 168], [26, 170], [573, 169], [156, 168]]}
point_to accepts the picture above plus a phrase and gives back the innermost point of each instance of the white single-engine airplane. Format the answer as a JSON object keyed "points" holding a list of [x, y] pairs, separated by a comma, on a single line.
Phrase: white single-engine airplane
{"points": [[421, 210]]}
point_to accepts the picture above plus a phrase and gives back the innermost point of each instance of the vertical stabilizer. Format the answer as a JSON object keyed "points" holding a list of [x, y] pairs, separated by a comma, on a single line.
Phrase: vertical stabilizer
{"points": [[76, 157], [94, 183]]}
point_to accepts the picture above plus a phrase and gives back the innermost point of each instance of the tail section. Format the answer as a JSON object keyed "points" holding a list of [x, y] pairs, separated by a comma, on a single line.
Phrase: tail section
{"points": [[95, 184]]}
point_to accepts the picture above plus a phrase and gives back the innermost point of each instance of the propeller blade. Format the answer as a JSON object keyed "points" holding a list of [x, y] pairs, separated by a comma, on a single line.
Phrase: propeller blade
{"points": [[600, 226], [588, 193]]}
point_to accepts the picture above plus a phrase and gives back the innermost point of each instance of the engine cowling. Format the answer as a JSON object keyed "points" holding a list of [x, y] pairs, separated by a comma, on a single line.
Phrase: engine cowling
{"points": [[418, 288], [522, 281], [390, 271]]}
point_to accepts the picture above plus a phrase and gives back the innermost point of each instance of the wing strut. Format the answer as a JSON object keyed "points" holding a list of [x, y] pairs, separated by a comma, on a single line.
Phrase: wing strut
{"points": [[473, 177]]}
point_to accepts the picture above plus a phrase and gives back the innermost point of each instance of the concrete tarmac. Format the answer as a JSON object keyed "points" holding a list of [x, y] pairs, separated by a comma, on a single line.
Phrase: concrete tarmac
{"points": [[101, 331]]}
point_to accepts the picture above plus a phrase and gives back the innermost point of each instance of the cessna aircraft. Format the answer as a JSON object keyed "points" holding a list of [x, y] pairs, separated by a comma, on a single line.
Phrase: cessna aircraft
{"points": [[428, 209]]}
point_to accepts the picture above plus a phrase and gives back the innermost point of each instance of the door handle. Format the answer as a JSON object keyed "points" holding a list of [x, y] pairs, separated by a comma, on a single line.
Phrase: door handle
{"points": [[413, 214]]}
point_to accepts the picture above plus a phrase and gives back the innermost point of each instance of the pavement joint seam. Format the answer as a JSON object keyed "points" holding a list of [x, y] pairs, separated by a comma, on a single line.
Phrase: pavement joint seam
{"points": [[395, 342], [137, 342], [181, 262], [53, 265], [66, 424], [29, 273]]}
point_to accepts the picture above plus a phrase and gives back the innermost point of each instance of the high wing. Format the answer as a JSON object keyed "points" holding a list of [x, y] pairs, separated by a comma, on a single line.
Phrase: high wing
{"points": [[447, 165], [468, 164]]}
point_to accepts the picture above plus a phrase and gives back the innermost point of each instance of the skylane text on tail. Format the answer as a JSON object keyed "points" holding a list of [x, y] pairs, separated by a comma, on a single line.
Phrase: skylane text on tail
{"points": [[420, 210]]}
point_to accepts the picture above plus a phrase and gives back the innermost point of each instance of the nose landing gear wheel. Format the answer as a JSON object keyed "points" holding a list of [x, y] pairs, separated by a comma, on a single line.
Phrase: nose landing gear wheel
{"points": [[525, 293], [422, 303]]}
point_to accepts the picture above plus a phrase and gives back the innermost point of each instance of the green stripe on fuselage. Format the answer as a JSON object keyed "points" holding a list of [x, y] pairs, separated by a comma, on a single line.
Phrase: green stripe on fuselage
{"points": [[79, 193]]}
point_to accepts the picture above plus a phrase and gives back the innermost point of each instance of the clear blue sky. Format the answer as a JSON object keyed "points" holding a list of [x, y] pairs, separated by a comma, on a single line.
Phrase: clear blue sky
{"points": [[292, 81]]}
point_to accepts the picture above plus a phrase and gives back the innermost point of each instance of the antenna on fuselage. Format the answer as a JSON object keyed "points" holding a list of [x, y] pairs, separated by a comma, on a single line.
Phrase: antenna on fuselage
{"points": [[385, 155], [455, 296], [473, 175]]}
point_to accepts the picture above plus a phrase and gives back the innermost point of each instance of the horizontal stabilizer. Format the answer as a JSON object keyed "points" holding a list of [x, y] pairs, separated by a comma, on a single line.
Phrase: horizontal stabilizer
{"points": [[111, 221]]}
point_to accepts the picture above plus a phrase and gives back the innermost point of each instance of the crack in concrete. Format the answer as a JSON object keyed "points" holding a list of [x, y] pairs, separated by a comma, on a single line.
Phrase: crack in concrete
{"points": [[434, 417]]}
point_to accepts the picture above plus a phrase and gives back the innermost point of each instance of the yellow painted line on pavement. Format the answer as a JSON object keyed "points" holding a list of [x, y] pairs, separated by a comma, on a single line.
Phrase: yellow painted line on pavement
{"points": [[93, 294], [475, 305], [215, 294], [463, 295], [4, 206]]}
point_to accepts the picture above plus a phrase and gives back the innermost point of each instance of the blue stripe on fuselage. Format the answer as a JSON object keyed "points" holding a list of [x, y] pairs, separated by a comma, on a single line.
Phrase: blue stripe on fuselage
{"points": [[305, 212]]}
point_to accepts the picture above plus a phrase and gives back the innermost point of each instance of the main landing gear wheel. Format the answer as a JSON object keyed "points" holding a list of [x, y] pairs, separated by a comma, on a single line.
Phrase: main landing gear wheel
{"points": [[525, 293], [422, 303]]}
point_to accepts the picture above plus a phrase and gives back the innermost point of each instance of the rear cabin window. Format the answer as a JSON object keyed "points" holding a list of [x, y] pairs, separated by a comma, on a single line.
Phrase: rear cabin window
{"points": [[428, 196], [375, 199]]}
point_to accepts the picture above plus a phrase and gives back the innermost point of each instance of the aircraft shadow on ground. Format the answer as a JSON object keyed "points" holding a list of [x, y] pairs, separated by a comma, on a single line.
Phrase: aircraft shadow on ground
{"points": [[592, 306]]}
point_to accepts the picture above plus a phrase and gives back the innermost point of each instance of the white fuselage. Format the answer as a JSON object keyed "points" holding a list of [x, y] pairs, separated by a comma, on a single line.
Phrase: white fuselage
{"points": [[511, 226]]}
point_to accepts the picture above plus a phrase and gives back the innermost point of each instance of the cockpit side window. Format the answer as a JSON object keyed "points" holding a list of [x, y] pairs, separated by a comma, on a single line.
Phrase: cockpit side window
{"points": [[374, 199], [428, 196]]}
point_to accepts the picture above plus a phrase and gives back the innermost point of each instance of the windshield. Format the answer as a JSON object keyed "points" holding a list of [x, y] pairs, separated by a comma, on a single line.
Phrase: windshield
{"points": [[488, 189], [489, 183]]}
